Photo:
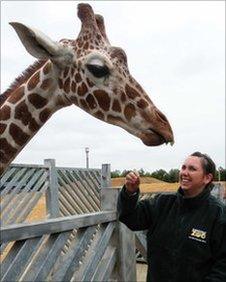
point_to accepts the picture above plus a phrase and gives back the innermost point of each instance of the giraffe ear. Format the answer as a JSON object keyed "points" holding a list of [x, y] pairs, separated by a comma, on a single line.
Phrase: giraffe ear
{"points": [[40, 45], [101, 26]]}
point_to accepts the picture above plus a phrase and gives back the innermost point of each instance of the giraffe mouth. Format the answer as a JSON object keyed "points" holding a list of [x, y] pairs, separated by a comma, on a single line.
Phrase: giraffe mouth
{"points": [[153, 138]]}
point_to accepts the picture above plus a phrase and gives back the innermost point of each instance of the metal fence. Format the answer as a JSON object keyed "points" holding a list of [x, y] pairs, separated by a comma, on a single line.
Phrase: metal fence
{"points": [[81, 238], [68, 191]]}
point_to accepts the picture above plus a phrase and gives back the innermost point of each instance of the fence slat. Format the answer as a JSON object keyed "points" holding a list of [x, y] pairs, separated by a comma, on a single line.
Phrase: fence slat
{"points": [[13, 181], [6, 176], [92, 193], [69, 202], [77, 196], [68, 206], [106, 266], [21, 259], [9, 198], [71, 263], [98, 252], [47, 257], [72, 181]]}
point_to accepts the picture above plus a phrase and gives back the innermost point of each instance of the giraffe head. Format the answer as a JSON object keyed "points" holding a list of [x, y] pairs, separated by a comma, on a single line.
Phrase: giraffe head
{"points": [[94, 75]]}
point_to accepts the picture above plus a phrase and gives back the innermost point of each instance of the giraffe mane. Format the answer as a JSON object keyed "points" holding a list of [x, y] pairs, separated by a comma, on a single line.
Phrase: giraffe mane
{"points": [[21, 79]]}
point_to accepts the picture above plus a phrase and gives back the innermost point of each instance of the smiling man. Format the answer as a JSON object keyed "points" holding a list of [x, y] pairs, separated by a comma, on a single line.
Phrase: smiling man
{"points": [[186, 238]]}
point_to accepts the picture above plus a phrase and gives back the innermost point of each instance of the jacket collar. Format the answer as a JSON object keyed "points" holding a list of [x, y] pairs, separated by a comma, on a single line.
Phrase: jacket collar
{"points": [[194, 201]]}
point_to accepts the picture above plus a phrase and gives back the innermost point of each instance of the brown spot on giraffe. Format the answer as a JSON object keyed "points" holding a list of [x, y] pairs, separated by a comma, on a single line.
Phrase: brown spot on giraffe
{"points": [[91, 102], [74, 100], [78, 77], [66, 70], [5, 112], [116, 106], [18, 135], [44, 115], [33, 125], [102, 99], [84, 104], [2, 127], [82, 89], [123, 96], [142, 104], [86, 46], [73, 86], [22, 113], [60, 83], [79, 43], [47, 68], [37, 100], [33, 81], [99, 115], [17, 95], [60, 102], [114, 119], [129, 111], [67, 85], [139, 88], [72, 71], [89, 82], [46, 83], [6, 149], [4, 159], [131, 92]]}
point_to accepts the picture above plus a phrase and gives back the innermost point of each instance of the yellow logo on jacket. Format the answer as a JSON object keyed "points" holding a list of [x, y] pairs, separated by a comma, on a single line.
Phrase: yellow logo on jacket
{"points": [[198, 235]]}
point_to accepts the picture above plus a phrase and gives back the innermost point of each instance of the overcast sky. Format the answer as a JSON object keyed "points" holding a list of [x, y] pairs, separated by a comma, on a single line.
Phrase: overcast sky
{"points": [[175, 50]]}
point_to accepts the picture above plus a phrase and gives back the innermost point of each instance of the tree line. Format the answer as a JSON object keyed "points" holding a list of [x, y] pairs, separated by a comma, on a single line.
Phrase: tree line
{"points": [[171, 176]]}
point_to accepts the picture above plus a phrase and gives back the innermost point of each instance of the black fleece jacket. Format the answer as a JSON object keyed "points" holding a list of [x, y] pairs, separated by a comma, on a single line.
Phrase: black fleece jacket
{"points": [[186, 238]]}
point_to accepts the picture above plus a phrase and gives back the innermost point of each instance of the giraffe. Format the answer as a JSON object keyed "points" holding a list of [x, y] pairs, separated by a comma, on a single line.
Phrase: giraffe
{"points": [[88, 72]]}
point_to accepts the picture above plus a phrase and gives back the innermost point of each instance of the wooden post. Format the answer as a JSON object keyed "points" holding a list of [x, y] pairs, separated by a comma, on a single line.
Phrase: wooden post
{"points": [[124, 238], [52, 194], [106, 176]]}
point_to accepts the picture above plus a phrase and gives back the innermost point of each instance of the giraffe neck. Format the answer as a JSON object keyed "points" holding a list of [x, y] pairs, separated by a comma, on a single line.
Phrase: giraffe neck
{"points": [[26, 108]]}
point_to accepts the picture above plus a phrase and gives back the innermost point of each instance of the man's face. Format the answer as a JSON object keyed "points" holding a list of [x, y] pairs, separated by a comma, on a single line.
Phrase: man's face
{"points": [[192, 176]]}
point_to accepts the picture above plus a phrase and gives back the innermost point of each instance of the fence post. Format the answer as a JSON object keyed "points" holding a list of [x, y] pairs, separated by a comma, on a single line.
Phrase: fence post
{"points": [[52, 193], [105, 175], [124, 238]]}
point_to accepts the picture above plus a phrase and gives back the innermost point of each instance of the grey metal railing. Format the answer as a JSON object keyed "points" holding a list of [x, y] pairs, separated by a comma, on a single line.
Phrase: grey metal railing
{"points": [[81, 246]]}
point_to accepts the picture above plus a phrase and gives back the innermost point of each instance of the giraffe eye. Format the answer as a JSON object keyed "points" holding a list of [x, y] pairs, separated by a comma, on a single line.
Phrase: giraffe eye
{"points": [[97, 70]]}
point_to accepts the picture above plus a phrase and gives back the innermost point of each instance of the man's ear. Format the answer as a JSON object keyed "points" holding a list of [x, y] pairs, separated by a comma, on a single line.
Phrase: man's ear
{"points": [[40, 45]]}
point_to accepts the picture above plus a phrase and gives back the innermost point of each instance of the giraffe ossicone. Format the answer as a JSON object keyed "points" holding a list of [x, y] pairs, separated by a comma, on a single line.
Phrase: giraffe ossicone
{"points": [[87, 72]]}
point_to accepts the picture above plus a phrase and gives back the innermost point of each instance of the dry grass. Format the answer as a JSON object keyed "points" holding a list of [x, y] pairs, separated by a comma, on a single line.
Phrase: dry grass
{"points": [[119, 181], [39, 211], [149, 185]]}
